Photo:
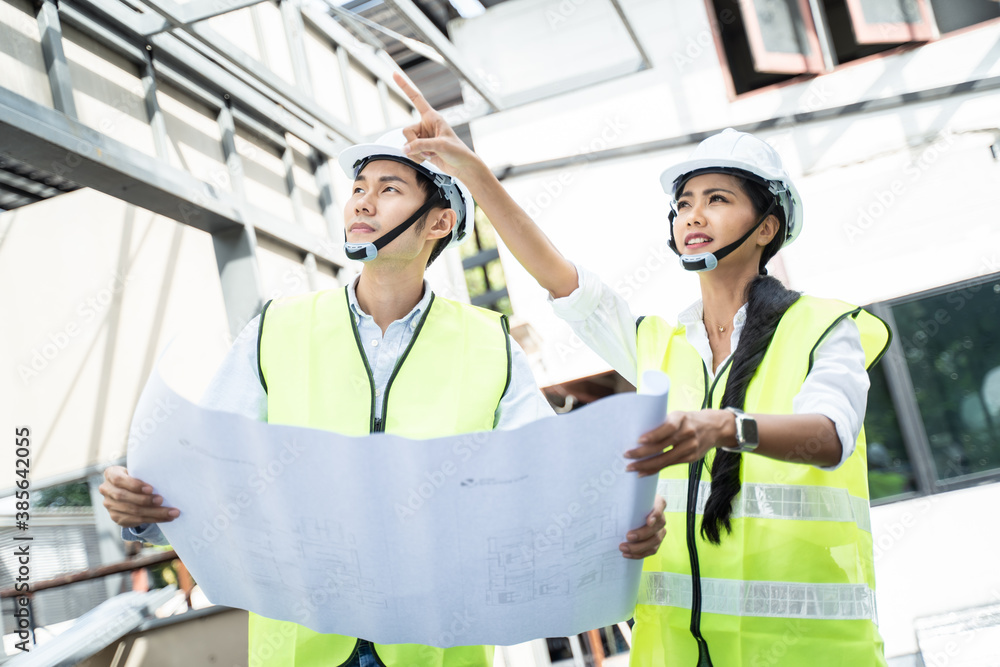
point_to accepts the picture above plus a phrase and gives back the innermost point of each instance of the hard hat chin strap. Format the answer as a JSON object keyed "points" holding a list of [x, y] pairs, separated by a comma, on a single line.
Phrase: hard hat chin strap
{"points": [[366, 252], [706, 261]]}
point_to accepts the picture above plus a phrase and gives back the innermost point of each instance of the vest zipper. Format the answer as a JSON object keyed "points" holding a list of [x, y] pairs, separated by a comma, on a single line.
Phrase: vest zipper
{"points": [[379, 423], [372, 422], [694, 483]]}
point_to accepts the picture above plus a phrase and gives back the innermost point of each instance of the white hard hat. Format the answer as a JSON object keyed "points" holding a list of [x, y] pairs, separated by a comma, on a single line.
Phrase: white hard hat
{"points": [[390, 146], [733, 151]]}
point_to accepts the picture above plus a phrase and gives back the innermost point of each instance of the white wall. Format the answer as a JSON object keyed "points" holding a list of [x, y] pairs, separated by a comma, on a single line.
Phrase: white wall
{"points": [[934, 555], [96, 288]]}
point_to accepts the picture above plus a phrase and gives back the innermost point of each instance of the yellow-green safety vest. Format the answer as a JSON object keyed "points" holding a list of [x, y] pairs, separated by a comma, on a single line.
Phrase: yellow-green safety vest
{"points": [[448, 381], [794, 583]]}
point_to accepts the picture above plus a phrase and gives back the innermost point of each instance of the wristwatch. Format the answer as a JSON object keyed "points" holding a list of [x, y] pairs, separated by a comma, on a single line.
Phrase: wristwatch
{"points": [[746, 432]]}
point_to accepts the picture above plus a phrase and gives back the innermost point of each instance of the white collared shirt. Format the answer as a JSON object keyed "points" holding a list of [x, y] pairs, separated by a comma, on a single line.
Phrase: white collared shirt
{"points": [[836, 386]]}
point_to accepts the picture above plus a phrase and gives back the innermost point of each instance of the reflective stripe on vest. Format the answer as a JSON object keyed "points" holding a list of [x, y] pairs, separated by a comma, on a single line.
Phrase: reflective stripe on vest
{"points": [[776, 501], [448, 381], [768, 599]]}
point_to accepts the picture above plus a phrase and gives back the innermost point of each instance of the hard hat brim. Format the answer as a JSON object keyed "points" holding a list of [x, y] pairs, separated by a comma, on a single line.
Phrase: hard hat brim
{"points": [[671, 175]]}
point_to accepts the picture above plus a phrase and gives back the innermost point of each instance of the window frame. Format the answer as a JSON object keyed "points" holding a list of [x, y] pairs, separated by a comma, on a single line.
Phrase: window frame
{"points": [[892, 33], [775, 62], [713, 23], [901, 391]]}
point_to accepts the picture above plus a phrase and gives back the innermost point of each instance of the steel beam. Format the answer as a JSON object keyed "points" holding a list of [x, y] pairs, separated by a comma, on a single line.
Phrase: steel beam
{"points": [[380, 67], [156, 121], [361, 24], [55, 59], [327, 202], [66, 147], [426, 29], [192, 72], [383, 98], [202, 10], [236, 248], [990, 83], [294, 193], [343, 62], [647, 62], [206, 40], [291, 17]]}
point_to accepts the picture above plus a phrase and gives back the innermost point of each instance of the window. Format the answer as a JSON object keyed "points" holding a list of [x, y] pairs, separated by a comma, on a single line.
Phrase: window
{"points": [[956, 14], [483, 271], [946, 354], [769, 41], [950, 343], [859, 28]]}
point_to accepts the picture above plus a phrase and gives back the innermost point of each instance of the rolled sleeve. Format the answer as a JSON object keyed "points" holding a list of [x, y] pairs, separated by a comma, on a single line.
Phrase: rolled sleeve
{"points": [[524, 402], [236, 386], [837, 386], [603, 321], [146, 532]]}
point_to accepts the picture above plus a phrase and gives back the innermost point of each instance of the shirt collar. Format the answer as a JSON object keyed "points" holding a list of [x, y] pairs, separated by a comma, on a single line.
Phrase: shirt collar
{"points": [[411, 318]]}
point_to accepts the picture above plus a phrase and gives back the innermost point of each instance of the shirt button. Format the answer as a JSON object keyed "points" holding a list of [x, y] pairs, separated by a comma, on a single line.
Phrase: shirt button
{"points": [[378, 392], [374, 342], [413, 324]]}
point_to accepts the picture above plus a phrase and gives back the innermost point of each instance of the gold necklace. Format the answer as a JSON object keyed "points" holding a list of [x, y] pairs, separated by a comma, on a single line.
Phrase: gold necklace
{"points": [[720, 327]]}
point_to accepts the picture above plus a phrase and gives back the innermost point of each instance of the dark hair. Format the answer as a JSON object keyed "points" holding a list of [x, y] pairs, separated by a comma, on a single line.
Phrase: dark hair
{"points": [[427, 188], [760, 199], [767, 300]]}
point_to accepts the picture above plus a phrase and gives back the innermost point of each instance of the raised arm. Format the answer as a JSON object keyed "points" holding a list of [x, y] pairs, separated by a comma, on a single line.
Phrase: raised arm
{"points": [[433, 139]]}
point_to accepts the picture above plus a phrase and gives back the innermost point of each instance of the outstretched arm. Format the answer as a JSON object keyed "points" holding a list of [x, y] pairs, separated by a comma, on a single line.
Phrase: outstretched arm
{"points": [[433, 139]]}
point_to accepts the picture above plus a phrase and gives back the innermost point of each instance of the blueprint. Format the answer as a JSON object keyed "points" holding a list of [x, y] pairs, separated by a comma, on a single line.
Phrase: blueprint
{"points": [[486, 538]]}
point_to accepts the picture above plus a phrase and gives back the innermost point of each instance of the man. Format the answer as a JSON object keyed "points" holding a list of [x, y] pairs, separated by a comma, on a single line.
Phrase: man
{"points": [[383, 354]]}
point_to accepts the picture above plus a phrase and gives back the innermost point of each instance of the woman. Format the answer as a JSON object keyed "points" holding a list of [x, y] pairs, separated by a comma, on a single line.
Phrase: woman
{"points": [[768, 554]]}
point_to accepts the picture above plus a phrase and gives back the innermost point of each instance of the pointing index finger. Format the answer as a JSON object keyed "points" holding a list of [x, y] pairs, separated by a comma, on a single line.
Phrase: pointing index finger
{"points": [[418, 100]]}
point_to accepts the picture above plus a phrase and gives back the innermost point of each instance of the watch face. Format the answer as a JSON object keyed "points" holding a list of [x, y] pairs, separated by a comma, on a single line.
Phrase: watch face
{"points": [[749, 431]]}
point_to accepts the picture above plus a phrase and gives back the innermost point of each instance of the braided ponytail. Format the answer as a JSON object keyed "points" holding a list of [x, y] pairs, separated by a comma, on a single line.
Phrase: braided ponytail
{"points": [[767, 301]]}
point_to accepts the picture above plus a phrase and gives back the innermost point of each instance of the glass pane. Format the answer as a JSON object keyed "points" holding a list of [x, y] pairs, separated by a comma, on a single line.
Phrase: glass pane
{"points": [[494, 270], [475, 279], [951, 348], [889, 469]]}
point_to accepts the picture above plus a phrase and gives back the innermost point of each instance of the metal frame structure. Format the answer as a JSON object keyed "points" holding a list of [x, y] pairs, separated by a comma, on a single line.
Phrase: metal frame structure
{"points": [[201, 64]]}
